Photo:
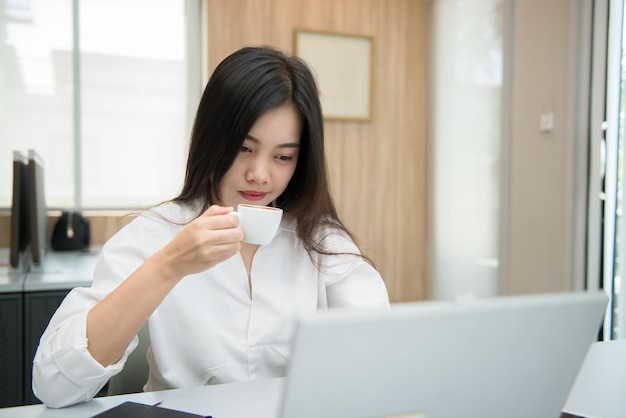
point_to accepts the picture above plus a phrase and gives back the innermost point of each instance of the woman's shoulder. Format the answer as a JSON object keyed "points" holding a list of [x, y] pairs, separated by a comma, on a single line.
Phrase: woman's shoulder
{"points": [[162, 219], [333, 237], [173, 212]]}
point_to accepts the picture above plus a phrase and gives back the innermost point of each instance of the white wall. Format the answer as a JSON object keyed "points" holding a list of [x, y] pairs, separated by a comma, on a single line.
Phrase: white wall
{"points": [[546, 188]]}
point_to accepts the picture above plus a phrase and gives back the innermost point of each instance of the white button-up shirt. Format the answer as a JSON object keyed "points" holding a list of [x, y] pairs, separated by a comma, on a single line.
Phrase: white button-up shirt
{"points": [[212, 327]]}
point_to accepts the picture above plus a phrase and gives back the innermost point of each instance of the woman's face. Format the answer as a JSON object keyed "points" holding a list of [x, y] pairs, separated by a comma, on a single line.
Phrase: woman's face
{"points": [[266, 161]]}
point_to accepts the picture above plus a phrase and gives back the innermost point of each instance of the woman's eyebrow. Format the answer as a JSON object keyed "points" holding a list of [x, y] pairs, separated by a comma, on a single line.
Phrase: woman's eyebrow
{"points": [[284, 145], [289, 145]]}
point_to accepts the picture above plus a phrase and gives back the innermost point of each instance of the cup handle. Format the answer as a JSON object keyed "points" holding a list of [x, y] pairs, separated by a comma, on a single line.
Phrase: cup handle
{"points": [[238, 215]]}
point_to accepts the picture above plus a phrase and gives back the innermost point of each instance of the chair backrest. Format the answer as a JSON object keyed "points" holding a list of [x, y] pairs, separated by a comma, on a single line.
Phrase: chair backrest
{"points": [[135, 373]]}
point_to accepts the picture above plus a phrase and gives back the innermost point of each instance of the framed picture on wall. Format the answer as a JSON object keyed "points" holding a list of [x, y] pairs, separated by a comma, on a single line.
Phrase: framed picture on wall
{"points": [[342, 64]]}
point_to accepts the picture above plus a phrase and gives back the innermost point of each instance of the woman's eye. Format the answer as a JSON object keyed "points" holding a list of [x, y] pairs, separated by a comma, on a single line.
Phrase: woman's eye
{"points": [[285, 157], [243, 148]]}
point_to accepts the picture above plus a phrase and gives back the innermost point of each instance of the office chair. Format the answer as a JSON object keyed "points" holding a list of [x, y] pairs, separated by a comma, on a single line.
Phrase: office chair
{"points": [[136, 369]]}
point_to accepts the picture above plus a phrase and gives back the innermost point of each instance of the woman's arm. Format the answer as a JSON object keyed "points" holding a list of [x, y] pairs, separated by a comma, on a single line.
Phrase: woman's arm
{"points": [[93, 331]]}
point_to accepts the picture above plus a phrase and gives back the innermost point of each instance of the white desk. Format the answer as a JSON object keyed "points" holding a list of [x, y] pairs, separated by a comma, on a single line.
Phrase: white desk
{"points": [[63, 270], [255, 399], [599, 387], [11, 282], [60, 271], [11, 279]]}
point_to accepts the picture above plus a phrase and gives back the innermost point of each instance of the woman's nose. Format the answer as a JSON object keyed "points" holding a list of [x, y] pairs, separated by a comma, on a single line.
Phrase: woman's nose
{"points": [[258, 171]]}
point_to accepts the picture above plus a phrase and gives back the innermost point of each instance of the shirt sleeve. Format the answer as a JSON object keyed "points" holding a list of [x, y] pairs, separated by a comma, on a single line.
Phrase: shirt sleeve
{"points": [[64, 372], [349, 279]]}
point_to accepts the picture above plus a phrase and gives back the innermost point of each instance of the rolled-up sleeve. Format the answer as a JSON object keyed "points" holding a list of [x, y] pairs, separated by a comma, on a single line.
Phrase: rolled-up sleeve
{"points": [[64, 372]]}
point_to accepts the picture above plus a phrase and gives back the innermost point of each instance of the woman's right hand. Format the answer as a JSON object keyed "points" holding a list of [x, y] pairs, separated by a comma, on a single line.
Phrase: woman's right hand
{"points": [[206, 241]]}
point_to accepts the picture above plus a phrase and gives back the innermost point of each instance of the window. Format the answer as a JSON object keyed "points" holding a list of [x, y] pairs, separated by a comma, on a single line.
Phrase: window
{"points": [[612, 184], [103, 90]]}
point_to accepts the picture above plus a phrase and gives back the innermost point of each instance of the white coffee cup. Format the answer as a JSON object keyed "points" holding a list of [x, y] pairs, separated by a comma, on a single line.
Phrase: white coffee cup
{"points": [[259, 223]]}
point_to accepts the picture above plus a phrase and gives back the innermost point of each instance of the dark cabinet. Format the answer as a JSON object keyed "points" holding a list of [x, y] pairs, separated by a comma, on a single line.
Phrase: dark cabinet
{"points": [[11, 349], [38, 309]]}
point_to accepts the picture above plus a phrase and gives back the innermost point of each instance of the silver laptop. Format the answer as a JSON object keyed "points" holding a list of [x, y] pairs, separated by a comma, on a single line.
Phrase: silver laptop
{"points": [[513, 356]]}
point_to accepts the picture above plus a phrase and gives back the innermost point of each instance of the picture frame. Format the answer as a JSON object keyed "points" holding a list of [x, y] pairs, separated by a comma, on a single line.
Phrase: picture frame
{"points": [[343, 67]]}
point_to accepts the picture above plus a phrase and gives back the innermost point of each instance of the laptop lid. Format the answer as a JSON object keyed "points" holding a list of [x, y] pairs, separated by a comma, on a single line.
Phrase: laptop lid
{"points": [[510, 356]]}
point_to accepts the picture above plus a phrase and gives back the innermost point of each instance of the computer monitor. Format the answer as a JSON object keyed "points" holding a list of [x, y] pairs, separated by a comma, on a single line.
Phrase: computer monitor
{"points": [[20, 227], [37, 208]]}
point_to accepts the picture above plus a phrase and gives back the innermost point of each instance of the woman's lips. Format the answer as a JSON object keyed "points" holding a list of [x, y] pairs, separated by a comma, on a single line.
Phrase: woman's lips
{"points": [[252, 195]]}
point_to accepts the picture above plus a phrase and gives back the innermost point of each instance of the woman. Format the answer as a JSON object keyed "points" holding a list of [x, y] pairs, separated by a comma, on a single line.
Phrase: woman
{"points": [[219, 309]]}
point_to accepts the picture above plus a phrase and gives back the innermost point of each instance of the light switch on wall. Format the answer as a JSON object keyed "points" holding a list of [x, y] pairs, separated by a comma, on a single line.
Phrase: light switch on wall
{"points": [[546, 122]]}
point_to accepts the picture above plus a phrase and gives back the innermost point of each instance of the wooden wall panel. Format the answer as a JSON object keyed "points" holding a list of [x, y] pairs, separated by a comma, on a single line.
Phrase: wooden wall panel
{"points": [[378, 168], [103, 224]]}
